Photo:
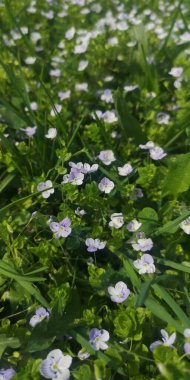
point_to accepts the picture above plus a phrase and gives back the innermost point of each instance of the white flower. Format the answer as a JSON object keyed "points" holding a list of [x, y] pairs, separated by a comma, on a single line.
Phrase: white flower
{"points": [[163, 118], [89, 169], [80, 212], [166, 340], [186, 333], [187, 348], [76, 177], [176, 72], [148, 145], [133, 226], [157, 153], [107, 96], [130, 88], [55, 73], [94, 244], [43, 186], [39, 316], [30, 60], [145, 264], [109, 117], [106, 185], [82, 65], [70, 33], [35, 36], [64, 95], [98, 339], [107, 157], [57, 109], [185, 225], [81, 87], [116, 220], [125, 170], [83, 354], [30, 131], [119, 293], [51, 134], [56, 366], [143, 245]]}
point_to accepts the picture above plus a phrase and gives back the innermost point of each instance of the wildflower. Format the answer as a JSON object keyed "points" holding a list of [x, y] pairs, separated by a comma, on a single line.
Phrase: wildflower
{"points": [[39, 316], [35, 36], [107, 157], [76, 177], [94, 244], [89, 169], [143, 245], [106, 185], [98, 339], [57, 109], [157, 153], [78, 166], [116, 220], [107, 96], [148, 145], [80, 212], [30, 60], [176, 72], [51, 134], [46, 188], [30, 131], [109, 117], [130, 88], [187, 348], [82, 65], [55, 73], [61, 229], [83, 354], [166, 340], [125, 170], [56, 366], [162, 118], [133, 226], [70, 33], [145, 264], [119, 293], [185, 225], [186, 333], [81, 87], [64, 95], [7, 374]]}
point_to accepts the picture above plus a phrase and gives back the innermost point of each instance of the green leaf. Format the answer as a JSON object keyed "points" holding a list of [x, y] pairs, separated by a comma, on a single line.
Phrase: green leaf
{"points": [[149, 218], [178, 178], [6, 341]]}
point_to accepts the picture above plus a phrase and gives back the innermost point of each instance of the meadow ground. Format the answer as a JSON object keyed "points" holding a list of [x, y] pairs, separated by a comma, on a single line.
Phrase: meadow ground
{"points": [[95, 189]]}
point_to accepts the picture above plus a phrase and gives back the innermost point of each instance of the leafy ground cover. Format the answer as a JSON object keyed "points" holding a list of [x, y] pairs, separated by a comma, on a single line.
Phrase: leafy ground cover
{"points": [[94, 207]]}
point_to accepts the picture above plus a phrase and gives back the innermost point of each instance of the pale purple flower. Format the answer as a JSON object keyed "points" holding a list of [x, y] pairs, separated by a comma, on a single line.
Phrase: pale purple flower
{"points": [[56, 366], [157, 153], [61, 229], [70, 33], [106, 185], [116, 220], [107, 157], [119, 293], [143, 245], [98, 339], [7, 374], [55, 73], [64, 95], [185, 225], [39, 316], [133, 226], [166, 340], [76, 177], [80, 212], [30, 60], [145, 264], [94, 244], [51, 133], [186, 333], [89, 169], [125, 170], [81, 87], [30, 131], [107, 96], [109, 117], [176, 72], [78, 166], [187, 348], [46, 188], [148, 145], [82, 65]]}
